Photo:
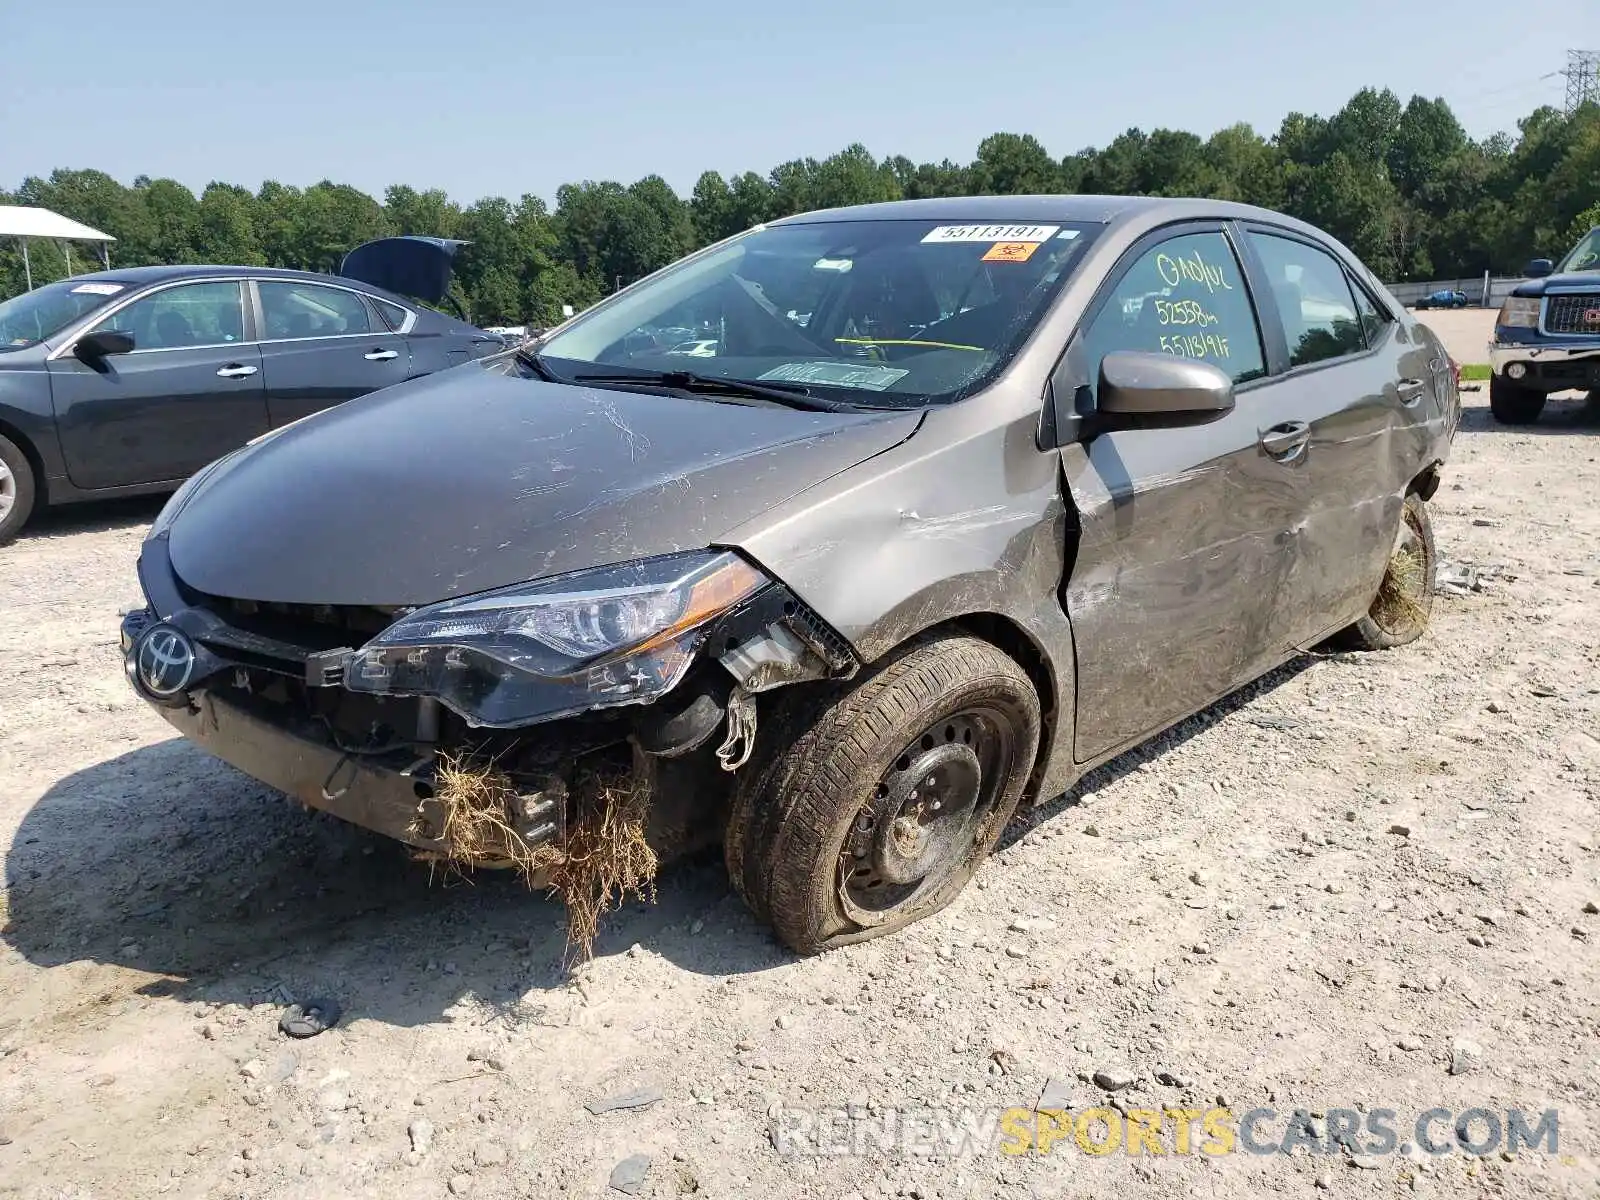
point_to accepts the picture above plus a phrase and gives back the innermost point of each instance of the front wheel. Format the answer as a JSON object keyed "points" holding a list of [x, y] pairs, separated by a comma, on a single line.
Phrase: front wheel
{"points": [[876, 805], [16, 490], [1514, 405]]}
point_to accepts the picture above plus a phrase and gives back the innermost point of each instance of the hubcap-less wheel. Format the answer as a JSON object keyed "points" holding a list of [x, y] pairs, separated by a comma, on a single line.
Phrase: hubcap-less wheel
{"points": [[8, 490], [871, 804], [919, 827]]}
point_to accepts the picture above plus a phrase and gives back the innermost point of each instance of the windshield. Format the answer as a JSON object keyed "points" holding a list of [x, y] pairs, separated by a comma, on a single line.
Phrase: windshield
{"points": [[1585, 256], [877, 313], [28, 319]]}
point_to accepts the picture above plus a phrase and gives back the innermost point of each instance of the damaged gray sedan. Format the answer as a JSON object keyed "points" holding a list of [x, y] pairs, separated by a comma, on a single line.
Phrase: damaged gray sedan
{"points": [[955, 500]]}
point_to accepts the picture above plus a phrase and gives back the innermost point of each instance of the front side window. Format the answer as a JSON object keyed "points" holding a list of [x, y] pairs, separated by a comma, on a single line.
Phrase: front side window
{"points": [[191, 314], [1308, 288], [1185, 297], [881, 313], [307, 310]]}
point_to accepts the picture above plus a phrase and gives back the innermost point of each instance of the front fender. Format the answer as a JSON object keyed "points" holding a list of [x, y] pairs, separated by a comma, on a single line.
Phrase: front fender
{"points": [[954, 523]]}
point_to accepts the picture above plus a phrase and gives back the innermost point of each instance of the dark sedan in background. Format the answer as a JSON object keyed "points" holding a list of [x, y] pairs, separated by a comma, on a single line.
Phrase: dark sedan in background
{"points": [[129, 381]]}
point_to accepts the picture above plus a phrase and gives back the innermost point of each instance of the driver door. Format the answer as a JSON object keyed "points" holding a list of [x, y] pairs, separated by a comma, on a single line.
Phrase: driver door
{"points": [[189, 392], [1185, 532]]}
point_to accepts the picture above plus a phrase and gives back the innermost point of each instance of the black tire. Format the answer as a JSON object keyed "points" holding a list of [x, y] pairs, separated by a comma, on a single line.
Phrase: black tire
{"points": [[17, 490], [952, 716], [1513, 405], [1403, 604]]}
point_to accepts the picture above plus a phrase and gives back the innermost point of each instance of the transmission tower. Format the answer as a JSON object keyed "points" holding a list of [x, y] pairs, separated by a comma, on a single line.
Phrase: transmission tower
{"points": [[1583, 79]]}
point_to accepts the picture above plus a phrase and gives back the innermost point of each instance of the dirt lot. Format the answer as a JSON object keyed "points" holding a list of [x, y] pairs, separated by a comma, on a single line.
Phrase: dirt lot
{"points": [[1371, 881]]}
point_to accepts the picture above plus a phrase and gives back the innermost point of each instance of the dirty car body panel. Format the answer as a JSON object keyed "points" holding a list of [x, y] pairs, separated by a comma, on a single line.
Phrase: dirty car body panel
{"points": [[1181, 459]]}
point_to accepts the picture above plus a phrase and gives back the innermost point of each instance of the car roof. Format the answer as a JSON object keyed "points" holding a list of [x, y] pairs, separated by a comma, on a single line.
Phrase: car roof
{"points": [[141, 276], [1100, 209]]}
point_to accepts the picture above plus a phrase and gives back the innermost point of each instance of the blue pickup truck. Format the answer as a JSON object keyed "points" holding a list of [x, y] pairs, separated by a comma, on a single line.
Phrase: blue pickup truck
{"points": [[1547, 336]]}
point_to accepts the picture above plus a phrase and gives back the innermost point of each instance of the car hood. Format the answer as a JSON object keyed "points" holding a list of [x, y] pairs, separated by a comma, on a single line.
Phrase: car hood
{"points": [[473, 479], [410, 265], [1586, 281]]}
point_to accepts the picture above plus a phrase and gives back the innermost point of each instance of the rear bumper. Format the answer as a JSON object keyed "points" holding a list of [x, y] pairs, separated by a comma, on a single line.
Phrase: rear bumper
{"points": [[1547, 367]]}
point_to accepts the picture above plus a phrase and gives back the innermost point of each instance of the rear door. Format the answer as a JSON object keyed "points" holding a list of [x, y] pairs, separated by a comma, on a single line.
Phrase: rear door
{"points": [[189, 392], [322, 345], [1184, 533], [1351, 377]]}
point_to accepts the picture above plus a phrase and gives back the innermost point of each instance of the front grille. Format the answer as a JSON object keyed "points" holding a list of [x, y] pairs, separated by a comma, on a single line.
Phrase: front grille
{"points": [[312, 626], [1573, 313]]}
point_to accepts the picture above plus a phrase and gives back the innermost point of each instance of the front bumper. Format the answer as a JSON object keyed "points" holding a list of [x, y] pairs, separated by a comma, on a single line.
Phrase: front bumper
{"points": [[374, 794], [1549, 367]]}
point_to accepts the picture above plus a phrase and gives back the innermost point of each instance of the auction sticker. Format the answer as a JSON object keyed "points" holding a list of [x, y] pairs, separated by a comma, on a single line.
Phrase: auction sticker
{"points": [[97, 289], [992, 233], [1010, 251]]}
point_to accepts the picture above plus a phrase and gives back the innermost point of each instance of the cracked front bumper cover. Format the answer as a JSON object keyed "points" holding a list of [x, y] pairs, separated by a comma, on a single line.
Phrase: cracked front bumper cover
{"points": [[369, 791]]}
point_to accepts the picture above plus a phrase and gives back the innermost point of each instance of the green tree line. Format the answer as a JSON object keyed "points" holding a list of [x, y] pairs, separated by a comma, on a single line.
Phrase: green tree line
{"points": [[1401, 184]]}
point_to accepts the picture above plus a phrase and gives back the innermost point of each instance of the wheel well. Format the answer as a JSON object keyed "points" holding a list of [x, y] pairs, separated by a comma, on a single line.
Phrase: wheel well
{"points": [[40, 484], [1020, 648], [1426, 482]]}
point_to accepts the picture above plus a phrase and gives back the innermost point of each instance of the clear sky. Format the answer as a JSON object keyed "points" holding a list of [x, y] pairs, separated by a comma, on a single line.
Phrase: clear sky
{"points": [[481, 100]]}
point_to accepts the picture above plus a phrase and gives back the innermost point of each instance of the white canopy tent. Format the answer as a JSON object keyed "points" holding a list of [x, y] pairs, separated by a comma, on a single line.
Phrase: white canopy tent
{"points": [[22, 223]]}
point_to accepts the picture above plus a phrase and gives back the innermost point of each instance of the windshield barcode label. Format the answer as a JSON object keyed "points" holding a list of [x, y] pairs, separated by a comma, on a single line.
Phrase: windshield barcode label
{"points": [[992, 233]]}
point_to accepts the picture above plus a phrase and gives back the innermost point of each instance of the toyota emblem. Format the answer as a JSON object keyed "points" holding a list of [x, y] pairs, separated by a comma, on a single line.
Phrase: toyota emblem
{"points": [[164, 661]]}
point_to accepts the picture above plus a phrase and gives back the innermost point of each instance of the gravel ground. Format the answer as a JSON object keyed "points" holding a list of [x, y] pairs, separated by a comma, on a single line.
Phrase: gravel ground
{"points": [[1367, 881]]}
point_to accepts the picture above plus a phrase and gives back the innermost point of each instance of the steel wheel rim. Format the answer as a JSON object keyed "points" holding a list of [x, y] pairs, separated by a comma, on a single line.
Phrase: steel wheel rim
{"points": [[928, 809], [8, 491]]}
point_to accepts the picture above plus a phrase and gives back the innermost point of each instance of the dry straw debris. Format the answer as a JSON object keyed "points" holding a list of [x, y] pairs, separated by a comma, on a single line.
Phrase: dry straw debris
{"points": [[606, 858]]}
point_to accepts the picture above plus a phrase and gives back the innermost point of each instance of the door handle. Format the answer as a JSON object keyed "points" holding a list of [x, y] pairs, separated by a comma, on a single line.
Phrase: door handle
{"points": [[1286, 440], [381, 355], [1411, 391], [236, 371]]}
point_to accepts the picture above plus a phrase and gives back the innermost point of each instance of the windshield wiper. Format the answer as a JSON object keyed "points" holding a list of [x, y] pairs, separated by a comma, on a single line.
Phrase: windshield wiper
{"points": [[792, 395], [535, 363]]}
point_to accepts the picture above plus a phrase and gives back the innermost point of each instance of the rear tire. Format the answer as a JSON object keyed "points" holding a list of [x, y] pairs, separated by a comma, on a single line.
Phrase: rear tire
{"points": [[876, 804], [17, 490], [1514, 405], [1404, 602]]}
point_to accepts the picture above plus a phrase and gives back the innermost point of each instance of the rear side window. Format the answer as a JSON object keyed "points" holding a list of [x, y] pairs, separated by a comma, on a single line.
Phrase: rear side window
{"points": [[307, 310], [393, 315], [1185, 297], [1311, 294], [1373, 319]]}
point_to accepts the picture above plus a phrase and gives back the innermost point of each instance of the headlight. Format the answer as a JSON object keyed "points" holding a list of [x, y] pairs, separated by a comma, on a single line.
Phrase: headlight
{"points": [[1520, 310], [617, 635]]}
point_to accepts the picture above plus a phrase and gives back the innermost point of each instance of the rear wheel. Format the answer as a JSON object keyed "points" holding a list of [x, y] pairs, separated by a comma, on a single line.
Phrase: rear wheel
{"points": [[877, 805], [1512, 404], [17, 490], [1404, 603]]}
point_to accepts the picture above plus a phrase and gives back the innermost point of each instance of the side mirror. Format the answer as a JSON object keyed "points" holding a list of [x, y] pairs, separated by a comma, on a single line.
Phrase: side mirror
{"points": [[1159, 389], [1539, 268], [95, 347]]}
